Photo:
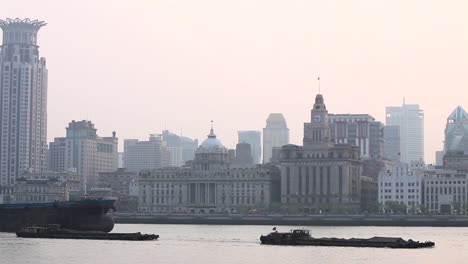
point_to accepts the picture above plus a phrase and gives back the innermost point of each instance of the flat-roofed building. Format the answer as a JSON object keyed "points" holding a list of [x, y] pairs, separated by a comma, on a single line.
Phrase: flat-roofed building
{"points": [[146, 155], [83, 151]]}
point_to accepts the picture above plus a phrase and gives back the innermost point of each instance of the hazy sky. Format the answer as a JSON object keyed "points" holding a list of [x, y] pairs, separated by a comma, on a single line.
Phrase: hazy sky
{"points": [[140, 66]]}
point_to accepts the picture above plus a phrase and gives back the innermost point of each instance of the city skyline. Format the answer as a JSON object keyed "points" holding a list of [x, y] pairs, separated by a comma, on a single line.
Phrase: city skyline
{"points": [[287, 56]]}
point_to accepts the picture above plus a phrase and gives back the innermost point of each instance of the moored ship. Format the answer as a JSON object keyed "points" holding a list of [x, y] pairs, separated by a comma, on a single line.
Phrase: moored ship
{"points": [[84, 215], [302, 237]]}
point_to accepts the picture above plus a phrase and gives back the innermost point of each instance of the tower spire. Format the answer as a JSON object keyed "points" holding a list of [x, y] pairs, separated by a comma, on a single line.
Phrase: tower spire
{"points": [[212, 134], [318, 79]]}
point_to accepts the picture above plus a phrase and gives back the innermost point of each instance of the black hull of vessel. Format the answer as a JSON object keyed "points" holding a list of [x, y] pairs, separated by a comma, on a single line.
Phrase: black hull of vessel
{"points": [[302, 238], [86, 215], [331, 243], [65, 234]]}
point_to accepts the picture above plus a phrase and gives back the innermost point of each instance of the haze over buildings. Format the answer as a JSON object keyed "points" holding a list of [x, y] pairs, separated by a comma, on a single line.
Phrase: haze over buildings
{"points": [[254, 139], [146, 155], [275, 135], [262, 55]]}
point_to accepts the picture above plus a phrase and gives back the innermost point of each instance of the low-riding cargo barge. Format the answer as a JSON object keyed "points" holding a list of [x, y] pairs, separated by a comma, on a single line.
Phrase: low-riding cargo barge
{"points": [[302, 237], [54, 231], [83, 215]]}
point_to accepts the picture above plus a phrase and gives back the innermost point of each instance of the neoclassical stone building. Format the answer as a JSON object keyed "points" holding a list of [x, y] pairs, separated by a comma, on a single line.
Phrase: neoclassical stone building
{"points": [[208, 185], [320, 171]]}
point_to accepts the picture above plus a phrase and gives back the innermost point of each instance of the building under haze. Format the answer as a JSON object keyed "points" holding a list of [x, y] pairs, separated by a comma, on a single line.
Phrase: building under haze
{"points": [[392, 143], [275, 134], [23, 99], [174, 146], [455, 154], [359, 130], [320, 171], [83, 151], [243, 155], [146, 155], [254, 139], [189, 147], [410, 119], [456, 131], [208, 185]]}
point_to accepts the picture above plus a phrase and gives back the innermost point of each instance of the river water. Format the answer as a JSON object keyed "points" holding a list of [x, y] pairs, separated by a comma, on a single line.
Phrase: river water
{"points": [[235, 244]]}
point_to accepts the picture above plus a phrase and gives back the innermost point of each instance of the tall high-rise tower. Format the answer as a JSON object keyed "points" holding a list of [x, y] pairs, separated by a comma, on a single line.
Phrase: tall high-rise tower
{"points": [[23, 100], [275, 135], [410, 119]]}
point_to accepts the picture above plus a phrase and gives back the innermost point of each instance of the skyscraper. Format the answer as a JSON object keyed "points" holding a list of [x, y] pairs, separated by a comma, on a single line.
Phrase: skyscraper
{"points": [[23, 100], [456, 131], [275, 134], [456, 140], [410, 119], [252, 138]]}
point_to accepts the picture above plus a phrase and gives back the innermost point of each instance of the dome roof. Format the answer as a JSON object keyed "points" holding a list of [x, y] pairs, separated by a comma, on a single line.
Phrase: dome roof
{"points": [[212, 143], [276, 118]]}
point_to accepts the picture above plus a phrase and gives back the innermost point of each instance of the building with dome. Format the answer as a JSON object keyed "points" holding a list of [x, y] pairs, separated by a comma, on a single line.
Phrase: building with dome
{"points": [[319, 172], [208, 185]]}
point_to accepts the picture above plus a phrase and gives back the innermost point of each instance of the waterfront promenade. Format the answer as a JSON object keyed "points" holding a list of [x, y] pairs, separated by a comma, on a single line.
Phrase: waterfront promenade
{"points": [[280, 219]]}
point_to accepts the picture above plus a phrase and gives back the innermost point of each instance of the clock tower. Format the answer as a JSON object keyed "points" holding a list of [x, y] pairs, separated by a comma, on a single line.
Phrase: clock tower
{"points": [[317, 132]]}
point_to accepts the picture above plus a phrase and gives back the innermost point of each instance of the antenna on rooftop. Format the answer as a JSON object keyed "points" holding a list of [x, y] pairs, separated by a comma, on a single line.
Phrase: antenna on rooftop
{"points": [[318, 79]]}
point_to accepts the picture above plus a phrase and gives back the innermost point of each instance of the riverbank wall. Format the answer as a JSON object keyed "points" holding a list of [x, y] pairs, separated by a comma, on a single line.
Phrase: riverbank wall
{"points": [[300, 220]]}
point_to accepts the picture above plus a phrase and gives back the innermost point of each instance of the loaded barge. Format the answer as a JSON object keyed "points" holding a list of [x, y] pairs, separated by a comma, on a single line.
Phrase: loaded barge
{"points": [[302, 237], [54, 231]]}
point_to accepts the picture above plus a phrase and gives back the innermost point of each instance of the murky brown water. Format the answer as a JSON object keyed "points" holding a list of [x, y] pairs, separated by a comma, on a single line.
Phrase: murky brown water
{"points": [[235, 244]]}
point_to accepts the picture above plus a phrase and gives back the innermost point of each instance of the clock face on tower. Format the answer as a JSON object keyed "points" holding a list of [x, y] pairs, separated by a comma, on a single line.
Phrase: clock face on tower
{"points": [[317, 118]]}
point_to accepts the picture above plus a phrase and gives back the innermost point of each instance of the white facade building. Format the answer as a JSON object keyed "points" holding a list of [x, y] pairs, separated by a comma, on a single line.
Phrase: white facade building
{"points": [[410, 119], [403, 184], [444, 189], [23, 101], [275, 135]]}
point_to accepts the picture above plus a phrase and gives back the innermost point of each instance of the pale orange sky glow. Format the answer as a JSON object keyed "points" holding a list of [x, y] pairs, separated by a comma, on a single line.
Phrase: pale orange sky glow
{"points": [[140, 66]]}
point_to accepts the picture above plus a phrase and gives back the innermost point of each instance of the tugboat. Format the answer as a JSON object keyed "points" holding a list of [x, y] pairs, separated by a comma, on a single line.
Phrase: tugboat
{"points": [[54, 231], [302, 237]]}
